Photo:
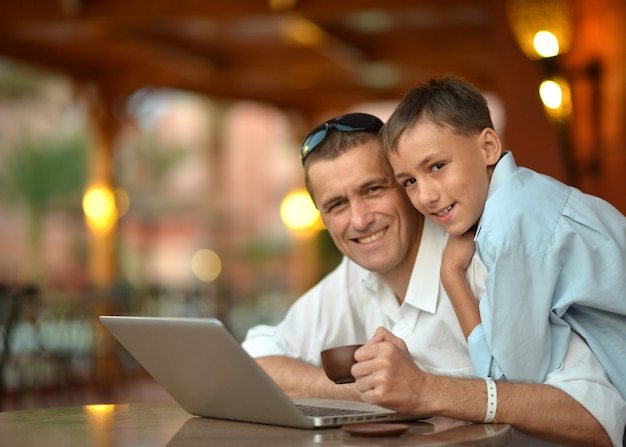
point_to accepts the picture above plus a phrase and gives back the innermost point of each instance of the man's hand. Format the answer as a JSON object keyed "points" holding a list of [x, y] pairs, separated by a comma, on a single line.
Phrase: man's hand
{"points": [[386, 374]]}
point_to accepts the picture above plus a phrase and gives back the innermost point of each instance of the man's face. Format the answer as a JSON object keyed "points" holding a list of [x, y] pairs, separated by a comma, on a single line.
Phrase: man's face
{"points": [[446, 175], [366, 212]]}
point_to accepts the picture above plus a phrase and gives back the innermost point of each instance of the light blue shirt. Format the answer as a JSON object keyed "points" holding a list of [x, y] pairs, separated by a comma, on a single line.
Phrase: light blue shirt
{"points": [[556, 262]]}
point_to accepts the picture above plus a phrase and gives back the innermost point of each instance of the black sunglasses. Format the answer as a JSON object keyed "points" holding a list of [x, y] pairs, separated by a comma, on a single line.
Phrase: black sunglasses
{"points": [[345, 123]]}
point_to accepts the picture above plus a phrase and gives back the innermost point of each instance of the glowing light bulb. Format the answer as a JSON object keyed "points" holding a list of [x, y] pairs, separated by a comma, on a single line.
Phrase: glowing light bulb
{"points": [[99, 207], [546, 44]]}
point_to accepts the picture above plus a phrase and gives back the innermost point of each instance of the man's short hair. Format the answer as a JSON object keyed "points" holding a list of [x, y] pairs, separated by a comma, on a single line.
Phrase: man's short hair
{"points": [[335, 144]]}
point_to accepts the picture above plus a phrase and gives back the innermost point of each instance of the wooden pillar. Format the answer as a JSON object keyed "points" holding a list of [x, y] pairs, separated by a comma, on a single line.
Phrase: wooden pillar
{"points": [[102, 259]]}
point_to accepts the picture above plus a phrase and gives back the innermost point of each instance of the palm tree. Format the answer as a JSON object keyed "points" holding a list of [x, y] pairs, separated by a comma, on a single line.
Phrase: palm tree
{"points": [[38, 175]]}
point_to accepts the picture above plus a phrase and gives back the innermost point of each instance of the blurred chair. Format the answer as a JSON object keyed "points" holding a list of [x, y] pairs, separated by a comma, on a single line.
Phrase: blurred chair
{"points": [[10, 305]]}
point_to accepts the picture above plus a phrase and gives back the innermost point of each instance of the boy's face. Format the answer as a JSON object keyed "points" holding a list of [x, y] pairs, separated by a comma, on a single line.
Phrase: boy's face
{"points": [[446, 175], [367, 213]]}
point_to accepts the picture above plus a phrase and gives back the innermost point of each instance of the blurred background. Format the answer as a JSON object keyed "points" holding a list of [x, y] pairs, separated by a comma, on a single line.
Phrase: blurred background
{"points": [[149, 157]]}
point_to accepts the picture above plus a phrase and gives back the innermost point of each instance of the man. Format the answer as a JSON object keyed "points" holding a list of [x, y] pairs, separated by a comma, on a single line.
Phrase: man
{"points": [[389, 278], [386, 278]]}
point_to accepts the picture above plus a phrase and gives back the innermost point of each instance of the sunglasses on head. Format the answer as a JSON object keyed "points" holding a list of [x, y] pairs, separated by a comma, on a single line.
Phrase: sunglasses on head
{"points": [[351, 122]]}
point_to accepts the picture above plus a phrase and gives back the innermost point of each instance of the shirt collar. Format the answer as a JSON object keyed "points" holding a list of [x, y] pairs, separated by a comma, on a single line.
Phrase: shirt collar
{"points": [[423, 290], [504, 168]]}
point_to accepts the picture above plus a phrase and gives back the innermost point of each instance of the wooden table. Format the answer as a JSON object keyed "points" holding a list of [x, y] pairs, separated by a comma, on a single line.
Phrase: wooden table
{"points": [[169, 425]]}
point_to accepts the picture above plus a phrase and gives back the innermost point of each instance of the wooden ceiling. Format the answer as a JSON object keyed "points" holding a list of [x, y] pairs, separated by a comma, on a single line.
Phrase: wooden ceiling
{"points": [[305, 55]]}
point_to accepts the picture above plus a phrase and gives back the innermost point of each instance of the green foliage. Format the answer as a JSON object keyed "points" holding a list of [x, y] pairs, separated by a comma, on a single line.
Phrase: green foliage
{"points": [[158, 157], [19, 82], [38, 173]]}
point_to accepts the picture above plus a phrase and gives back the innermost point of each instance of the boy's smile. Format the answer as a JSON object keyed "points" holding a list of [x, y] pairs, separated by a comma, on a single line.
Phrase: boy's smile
{"points": [[446, 175]]}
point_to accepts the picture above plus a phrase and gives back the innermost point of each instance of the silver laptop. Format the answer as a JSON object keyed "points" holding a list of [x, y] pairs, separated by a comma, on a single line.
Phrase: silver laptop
{"points": [[201, 365]]}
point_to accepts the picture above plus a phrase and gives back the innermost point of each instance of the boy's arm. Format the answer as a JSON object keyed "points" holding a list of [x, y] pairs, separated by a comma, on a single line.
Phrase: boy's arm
{"points": [[456, 259]]}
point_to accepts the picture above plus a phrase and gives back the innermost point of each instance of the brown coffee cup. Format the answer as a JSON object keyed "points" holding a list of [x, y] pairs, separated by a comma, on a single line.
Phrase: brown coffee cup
{"points": [[337, 363]]}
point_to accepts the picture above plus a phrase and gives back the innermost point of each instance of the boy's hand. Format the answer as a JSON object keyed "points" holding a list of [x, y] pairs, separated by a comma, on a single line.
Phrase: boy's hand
{"points": [[457, 257], [459, 251]]}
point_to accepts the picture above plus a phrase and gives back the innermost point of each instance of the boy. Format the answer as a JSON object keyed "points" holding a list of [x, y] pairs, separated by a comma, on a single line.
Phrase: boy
{"points": [[555, 257]]}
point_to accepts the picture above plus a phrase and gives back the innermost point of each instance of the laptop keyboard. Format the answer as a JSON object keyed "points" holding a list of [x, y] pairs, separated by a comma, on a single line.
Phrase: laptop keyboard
{"points": [[309, 410]]}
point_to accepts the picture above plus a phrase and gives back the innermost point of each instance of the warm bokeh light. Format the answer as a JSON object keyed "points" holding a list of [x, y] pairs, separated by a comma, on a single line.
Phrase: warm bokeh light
{"points": [[100, 408], [303, 31], [546, 44], [102, 414], [556, 97], [100, 208], [298, 211], [206, 265], [542, 28], [551, 94]]}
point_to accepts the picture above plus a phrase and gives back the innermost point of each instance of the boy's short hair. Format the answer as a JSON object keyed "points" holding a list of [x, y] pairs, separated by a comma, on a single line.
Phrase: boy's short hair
{"points": [[335, 144], [448, 101]]}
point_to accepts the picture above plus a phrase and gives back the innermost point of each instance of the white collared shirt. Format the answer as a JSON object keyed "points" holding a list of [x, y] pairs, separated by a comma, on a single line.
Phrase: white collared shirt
{"points": [[350, 303]]}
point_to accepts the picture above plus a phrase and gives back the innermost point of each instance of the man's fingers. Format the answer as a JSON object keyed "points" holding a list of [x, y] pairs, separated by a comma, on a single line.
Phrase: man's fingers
{"points": [[386, 336]]}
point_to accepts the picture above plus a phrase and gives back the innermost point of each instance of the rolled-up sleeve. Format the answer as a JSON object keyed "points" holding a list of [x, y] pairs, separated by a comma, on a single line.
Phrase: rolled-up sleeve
{"points": [[480, 354], [264, 341], [325, 316], [583, 378]]}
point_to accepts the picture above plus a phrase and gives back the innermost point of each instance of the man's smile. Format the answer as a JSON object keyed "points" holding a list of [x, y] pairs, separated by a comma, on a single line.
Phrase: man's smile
{"points": [[371, 237]]}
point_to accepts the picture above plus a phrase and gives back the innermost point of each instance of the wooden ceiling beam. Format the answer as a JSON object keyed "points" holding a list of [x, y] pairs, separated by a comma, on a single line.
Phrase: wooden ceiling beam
{"points": [[40, 10], [309, 57]]}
